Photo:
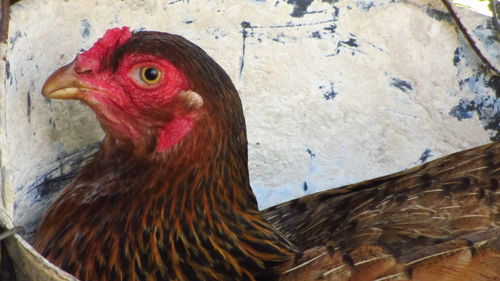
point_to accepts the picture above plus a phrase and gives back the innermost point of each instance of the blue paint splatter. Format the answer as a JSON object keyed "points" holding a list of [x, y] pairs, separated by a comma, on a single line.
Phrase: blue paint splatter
{"points": [[425, 155], [494, 83], [52, 123], [437, 14], [458, 55], [329, 93], [403, 85], [488, 109], [365, 5], [311, 153], [85, 30], [331, 28], [463, 110], [28, 106], [279, 38], [7, 72], [351, 43], [299, 7], [316, 34], [14, 38]]}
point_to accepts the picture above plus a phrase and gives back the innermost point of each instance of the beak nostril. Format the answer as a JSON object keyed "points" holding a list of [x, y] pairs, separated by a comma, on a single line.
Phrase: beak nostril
{"points": [[84, 66], [79, 69]]}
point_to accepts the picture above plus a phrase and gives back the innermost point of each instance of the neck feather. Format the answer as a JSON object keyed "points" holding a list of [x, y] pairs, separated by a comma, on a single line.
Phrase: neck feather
{"points": [[210, 214], [191, 209]]}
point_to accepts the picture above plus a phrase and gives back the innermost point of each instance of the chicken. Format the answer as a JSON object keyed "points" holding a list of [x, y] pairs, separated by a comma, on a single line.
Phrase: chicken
{"points": [[167, 196]]}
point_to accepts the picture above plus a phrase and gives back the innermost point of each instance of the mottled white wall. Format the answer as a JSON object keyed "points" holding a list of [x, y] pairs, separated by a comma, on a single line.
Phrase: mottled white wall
{"points": [[334, 92]]}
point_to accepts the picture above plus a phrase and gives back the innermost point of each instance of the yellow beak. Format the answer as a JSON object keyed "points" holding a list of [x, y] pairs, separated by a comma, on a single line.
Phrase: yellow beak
{"points": [[65, 84]]}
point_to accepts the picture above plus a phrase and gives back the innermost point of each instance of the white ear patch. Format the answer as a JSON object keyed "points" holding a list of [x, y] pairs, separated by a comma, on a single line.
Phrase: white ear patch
{"points": [[192, 99]]}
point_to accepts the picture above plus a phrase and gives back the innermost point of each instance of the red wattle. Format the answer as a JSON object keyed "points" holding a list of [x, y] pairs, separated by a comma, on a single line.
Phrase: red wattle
{"points": [[173, 132]]}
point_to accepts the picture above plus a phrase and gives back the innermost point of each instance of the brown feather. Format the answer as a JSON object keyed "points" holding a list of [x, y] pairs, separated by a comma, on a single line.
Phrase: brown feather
{"points": [[428, 223]]}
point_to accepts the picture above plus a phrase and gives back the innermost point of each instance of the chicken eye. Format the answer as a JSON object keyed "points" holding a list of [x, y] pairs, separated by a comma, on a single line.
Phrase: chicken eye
{"points": [[150, 75]]}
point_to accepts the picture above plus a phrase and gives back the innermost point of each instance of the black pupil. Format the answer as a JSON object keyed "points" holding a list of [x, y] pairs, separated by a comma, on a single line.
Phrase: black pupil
{"points": [[151, 74]]}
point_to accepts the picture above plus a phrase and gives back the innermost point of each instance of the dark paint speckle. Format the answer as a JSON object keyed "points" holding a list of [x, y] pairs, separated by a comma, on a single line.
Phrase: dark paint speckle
{"points": [[331, 28], [244, 33], [490, 39], [14, 38], [365, 5], [351, 42], [52, 123], [336, 11], [278, 38], [317, 12], [299, 7], [311, 153], [425, 155], [494, 83], [376, 47], [216, 32], [28, 106], [437, 14], [457, 56], [188, 21], [246, 24], [330, 95], [7, 70], [316, 34], [329, 92], [85, 30], [304, 186], [403, 85]]}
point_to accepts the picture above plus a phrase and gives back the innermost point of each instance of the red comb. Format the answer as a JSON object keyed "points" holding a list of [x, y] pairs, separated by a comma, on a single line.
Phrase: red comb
{"points": [[93, 57]]}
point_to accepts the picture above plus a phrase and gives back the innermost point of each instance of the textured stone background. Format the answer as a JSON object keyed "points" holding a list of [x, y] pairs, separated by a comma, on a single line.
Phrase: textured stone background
{"points": [[334, 92]]}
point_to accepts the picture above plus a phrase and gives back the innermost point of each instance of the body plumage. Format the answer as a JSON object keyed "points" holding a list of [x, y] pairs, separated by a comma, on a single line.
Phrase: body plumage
{"points": [[167, 196]]}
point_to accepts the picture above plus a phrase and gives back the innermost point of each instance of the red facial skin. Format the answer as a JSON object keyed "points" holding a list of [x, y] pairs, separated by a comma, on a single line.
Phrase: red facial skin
{"points": [[125, 104]]}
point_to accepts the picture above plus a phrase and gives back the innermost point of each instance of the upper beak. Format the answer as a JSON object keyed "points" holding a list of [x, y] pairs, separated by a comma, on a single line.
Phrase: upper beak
{"points": [[64, 83]]}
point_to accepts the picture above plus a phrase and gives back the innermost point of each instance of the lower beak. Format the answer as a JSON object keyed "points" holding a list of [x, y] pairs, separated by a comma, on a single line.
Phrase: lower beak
{"points": [[64, 83]]}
